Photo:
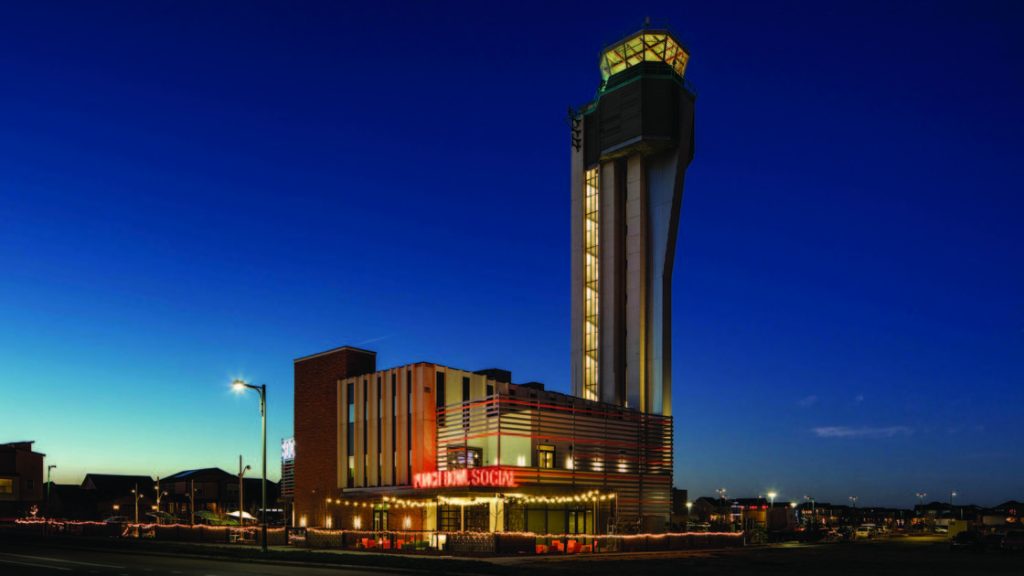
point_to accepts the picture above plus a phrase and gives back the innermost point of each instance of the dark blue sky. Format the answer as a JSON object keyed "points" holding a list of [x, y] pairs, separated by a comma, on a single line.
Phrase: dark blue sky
{"points": [[195, 191]]}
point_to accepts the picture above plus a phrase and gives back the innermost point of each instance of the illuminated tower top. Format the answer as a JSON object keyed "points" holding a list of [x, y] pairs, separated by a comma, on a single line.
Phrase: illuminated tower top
{"points": [[644, 46]]}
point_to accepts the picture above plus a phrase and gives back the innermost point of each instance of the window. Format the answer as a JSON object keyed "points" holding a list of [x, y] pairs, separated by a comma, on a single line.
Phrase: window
{"points": [[490, 389], [465, 402], [408, 426], [366, 431], [439, 390], [394, 428], [591, 283], [464, 457], [545, 456], [6, 486], [380, 415], [350, 422]]}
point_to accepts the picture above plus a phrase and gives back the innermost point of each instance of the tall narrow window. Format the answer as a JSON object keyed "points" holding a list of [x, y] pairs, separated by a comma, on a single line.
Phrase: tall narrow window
{"points": [[591, 280], [465, 402], [408, 426], [380, 426], [366, 432], [394, 429], [350, 440], [439, 392]]}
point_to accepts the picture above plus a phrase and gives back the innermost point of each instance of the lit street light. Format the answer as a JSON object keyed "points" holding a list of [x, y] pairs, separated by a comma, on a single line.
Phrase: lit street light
{"points": [[239, 386], [814, 510], [136, 496], [771, 504]]}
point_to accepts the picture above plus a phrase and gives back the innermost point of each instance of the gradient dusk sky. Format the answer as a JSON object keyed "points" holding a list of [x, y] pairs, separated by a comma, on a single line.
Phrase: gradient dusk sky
{"points": [[193, 191]]}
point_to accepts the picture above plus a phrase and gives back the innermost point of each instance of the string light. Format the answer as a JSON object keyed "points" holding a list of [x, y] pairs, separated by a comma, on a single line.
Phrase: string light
{"points": [[395, 502], [590, 496]]}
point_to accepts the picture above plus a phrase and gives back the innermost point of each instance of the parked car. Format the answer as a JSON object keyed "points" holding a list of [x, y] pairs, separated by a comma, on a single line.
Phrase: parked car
{"points": [[968, 540], [1014, 540], [942, 529], [994, 540], [117, 520], [864, 532]]}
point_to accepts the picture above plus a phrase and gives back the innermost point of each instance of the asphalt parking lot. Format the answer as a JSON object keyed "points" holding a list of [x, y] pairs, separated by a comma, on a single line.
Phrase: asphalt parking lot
{"points": [[896, 556]]}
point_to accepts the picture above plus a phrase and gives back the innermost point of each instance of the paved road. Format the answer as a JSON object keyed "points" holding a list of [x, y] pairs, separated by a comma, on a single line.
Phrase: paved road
{"points": [[34, 559]]}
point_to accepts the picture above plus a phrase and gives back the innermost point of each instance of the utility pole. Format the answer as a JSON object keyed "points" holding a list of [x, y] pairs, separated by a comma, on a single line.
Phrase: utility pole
{"points": [[192, 502]]}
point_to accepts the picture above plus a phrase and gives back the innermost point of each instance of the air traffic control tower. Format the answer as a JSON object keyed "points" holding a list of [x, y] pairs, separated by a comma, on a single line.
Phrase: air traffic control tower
{"points": [[631, 148]]}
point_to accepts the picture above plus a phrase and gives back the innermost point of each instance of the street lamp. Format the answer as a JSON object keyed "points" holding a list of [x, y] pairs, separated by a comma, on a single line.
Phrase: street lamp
{"points": [[241, 488], [920, 497], [159, 496], [814, 510], [49, 485], [771, 504], [136, 496], [721, 496], [239, 386]]}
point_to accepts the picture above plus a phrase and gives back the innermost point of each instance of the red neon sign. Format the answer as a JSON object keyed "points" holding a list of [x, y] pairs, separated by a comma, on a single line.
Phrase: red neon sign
{"points": [[492, 477]]}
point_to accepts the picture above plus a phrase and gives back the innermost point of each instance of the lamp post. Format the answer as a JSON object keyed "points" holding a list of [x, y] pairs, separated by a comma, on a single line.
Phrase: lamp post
{"points": [[771, 505], [136, 496], [721, 495], [240, 386], [814, 510], [952, 495], [241, 488], [159, 496], [49, 485]]}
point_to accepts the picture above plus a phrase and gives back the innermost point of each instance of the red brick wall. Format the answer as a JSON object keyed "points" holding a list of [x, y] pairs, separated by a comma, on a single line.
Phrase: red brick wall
{"points": [[316, 426]]}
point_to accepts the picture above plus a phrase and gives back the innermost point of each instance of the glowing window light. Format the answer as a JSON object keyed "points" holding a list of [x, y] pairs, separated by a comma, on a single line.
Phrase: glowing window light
{"points": [[569, 464], [520, 460], [646, 46], [591, 284], [357, 522]]}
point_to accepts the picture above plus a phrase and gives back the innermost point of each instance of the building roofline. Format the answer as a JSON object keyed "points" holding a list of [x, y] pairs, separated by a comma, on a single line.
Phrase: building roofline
{"points": [[331, 351]]}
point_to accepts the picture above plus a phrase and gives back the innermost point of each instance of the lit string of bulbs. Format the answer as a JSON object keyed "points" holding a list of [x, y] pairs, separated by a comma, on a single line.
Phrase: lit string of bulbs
{"points": [[589, 496]]}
